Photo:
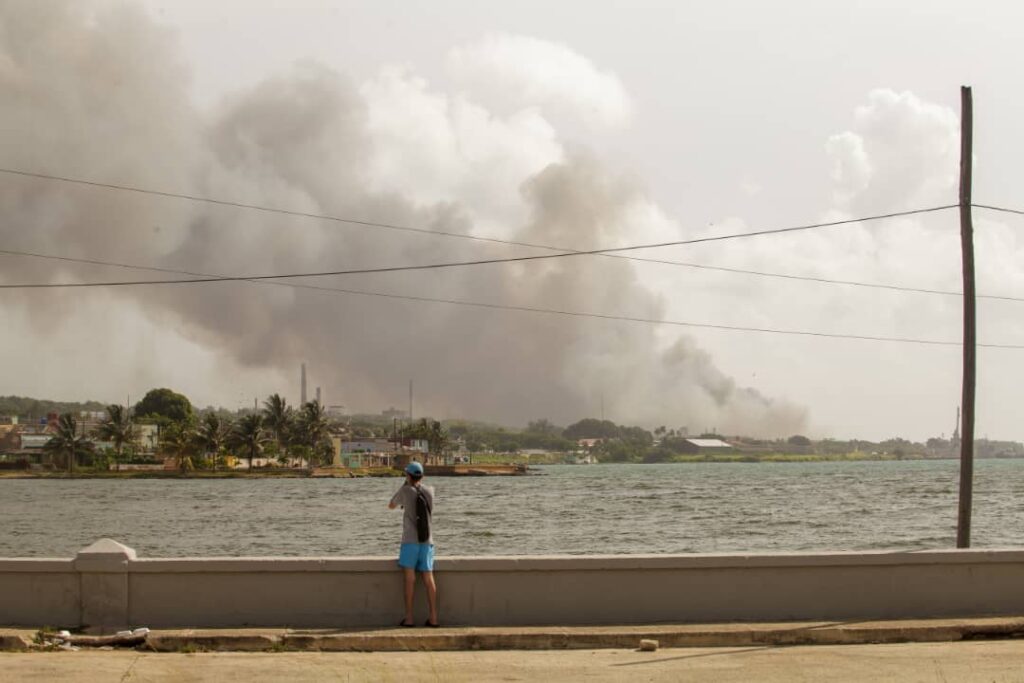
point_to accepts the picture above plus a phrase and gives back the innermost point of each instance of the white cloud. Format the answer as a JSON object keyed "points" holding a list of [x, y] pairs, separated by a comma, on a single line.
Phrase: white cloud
{"points": [[435, 147], [851, 168], [512, 71], [902, 152]]}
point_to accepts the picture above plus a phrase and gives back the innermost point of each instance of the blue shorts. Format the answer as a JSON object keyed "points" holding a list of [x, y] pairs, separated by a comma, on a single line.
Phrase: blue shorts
{"points": [[418, 556]]}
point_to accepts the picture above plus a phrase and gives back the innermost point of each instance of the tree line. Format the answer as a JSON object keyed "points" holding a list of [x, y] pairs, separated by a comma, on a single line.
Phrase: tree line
{"points": [[200, 441]]}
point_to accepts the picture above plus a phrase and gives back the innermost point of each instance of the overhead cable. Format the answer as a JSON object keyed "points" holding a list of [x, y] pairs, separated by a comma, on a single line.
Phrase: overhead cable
{"points": [[806, 278], [998, 208], [577, 314], [476, 262], [494, 240]]}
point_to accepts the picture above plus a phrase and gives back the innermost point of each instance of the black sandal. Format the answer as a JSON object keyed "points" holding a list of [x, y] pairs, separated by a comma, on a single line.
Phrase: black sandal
{"points": [[405, 625], [429, 625]]}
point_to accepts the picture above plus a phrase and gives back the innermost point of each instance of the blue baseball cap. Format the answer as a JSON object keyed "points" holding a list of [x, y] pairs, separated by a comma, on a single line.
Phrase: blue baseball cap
{"points": [[415, 469]]}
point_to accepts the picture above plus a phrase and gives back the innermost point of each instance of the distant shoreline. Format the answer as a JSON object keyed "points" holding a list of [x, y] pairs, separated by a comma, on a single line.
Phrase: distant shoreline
{"points": [[734, 458], [174, 474]]}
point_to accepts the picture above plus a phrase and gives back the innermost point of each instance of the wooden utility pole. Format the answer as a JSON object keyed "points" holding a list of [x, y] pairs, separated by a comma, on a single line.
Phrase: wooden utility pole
{"points": [[963, 526]]}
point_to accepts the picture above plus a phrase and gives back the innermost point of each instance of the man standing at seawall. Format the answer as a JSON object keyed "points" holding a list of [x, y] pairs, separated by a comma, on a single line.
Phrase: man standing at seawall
{"points": [[417, 551]]}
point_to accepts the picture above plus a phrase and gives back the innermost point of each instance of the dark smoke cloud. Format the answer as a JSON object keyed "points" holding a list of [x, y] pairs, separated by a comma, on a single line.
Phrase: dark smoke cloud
{"points": [[99, 91]]}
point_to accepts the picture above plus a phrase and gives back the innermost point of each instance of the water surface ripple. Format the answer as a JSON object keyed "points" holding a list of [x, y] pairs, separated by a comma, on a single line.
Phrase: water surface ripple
{"points": [[700, 508]]}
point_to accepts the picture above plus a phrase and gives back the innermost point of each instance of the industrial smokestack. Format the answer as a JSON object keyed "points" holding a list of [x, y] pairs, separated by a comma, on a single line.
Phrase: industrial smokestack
{"points": [[302, 394]]}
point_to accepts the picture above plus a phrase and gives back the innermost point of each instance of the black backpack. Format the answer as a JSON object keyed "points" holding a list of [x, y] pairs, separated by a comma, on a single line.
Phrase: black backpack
{"points": [[423, 510]]}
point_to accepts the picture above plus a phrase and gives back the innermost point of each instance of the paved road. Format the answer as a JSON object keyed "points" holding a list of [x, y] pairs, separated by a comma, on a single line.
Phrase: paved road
{"points": [[989, 661]]}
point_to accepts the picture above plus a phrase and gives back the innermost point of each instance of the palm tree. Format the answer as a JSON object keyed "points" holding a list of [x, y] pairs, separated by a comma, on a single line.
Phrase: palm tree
{"points": [[437, 437], [180, 440], [315, 427], [67, 442], [118, 428], [433, 432], [249, 435], [212, 436], [279, 416]]}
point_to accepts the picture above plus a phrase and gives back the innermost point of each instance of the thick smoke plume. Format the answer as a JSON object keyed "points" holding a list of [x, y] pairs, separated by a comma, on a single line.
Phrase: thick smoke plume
{"points": [[99, 91]]}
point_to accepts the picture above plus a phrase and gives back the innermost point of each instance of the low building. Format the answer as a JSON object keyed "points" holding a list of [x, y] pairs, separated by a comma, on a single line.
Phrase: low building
{"points": [[364, 452], [34, 442], [416, 445], [706, 446]]}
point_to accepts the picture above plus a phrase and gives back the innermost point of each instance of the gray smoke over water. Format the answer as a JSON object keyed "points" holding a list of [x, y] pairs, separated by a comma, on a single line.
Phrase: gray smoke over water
{"points": [[99, 91]]}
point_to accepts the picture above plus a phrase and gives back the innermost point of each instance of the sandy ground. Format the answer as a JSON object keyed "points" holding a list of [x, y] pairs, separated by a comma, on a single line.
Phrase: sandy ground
{"points": [[990, 661]]}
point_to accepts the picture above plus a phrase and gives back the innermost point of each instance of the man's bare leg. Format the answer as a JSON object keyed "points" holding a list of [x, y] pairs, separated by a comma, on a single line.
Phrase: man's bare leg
{"points": [[410, 587], [428, 581]]}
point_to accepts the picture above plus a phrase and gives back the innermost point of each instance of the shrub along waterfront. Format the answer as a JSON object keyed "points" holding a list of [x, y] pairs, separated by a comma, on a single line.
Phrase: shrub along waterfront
{"points": [[285, 439]]}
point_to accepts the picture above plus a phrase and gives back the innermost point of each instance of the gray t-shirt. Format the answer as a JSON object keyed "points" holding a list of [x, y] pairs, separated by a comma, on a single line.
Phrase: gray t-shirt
{"points": [[406, 498]]}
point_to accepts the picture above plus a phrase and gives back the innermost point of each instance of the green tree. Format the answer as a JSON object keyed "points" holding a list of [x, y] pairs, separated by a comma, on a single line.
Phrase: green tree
{"points": [[181, 440], [118, 428], [798, 440], [637, 436], [618, 451], [278, 417], [475, 444], [543, 427], [437, 438], [655, 455], [314, 429], [212, 436], [431, 431], [249, 435], [164, 403], [676, 444], [590, 428], [67, 442]]}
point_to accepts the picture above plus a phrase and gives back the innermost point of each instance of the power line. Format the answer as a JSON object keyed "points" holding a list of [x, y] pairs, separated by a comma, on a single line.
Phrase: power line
{"points": [[577, 314], [655, 321], [806, 278], [998, 208], [611, 252], [494, 240], [339, 219], [477, 262], [252, 207]]}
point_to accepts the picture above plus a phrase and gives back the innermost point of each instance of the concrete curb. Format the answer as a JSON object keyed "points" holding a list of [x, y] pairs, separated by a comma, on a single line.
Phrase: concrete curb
{"points": [[15, 641], [548, 638]]}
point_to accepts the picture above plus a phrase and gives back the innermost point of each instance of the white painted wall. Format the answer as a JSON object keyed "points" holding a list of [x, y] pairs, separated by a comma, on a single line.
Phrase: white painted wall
{"points": [[105, 588]]}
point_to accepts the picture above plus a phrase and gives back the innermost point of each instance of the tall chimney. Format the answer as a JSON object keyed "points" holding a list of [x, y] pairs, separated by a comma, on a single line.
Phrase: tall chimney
{"points": [[302, 395], [318, 395]]}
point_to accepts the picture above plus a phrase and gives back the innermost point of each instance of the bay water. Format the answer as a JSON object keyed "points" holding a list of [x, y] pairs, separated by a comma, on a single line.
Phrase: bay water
{"points": [[583, 509]]}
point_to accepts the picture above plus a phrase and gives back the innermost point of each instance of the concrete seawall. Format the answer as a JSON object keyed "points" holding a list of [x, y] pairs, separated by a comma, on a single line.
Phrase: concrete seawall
{"points": [[106, 587]]}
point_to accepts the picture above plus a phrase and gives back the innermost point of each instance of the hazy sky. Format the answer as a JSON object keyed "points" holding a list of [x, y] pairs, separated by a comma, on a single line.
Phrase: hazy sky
{"points": [[573, 124]]}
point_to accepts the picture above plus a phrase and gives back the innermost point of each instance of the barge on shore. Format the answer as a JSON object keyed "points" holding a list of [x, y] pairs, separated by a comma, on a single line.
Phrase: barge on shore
{"points": [[460, 470], [466, 470]]}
